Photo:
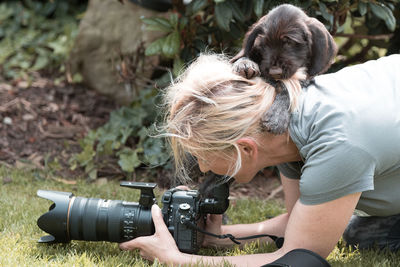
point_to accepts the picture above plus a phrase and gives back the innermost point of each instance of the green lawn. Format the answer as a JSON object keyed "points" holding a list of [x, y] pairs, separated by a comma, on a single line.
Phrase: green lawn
{"points": [[20, 208]]}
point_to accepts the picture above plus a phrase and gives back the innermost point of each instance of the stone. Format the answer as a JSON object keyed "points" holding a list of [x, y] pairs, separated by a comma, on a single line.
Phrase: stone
{"points": [[109, 48]]}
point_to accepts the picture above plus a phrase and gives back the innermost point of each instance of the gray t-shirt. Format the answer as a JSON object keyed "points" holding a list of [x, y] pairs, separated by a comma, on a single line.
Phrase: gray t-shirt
{"points": [[347, 129]]}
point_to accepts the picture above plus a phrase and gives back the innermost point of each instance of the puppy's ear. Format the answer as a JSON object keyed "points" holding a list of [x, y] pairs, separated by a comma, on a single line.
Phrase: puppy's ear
{"points": [[323, 48], [248, 42], [251, 38]]}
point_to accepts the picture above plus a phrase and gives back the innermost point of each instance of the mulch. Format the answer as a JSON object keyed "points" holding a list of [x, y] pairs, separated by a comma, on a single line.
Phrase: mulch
{"points": [[42, 122]]}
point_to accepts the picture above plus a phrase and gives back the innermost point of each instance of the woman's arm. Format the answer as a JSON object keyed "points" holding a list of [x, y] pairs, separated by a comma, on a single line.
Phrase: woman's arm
{"points": [[319, 227], [313, 227], [275, 226], [291, 190]]}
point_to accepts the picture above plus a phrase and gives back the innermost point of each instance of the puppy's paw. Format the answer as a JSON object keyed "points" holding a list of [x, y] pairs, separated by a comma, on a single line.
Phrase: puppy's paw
{"points": [[246, 68]]}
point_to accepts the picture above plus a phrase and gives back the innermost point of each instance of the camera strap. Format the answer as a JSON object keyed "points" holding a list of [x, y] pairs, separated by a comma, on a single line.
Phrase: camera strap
{"points": [[277, 240]]}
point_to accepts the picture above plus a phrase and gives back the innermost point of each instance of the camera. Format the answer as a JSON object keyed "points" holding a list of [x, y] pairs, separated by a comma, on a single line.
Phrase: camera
{"points": [[94, 219]]}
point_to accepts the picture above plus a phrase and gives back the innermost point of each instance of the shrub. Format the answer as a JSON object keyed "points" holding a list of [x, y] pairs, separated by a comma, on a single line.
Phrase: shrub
{"points": [[36, 35], [364, 30]]}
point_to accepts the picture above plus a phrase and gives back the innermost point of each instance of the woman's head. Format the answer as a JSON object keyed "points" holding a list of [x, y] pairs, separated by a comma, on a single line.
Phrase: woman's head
{"points": [[210, 108]]}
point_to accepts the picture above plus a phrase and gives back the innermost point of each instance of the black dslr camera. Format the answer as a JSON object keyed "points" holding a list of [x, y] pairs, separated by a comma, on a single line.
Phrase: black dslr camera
{"points": [[93, 219]]}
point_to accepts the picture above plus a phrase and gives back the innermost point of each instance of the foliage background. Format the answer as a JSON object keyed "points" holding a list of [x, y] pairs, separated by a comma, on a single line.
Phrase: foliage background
{"points": [[37, 36], [363, 29]]}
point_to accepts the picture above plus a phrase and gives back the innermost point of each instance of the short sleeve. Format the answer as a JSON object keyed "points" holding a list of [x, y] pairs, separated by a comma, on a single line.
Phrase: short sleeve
{"points": [[291, 170], [335, 170]]}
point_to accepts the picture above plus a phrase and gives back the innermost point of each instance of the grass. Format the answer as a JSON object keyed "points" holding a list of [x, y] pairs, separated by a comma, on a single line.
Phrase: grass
{"points": [[20, 208]]}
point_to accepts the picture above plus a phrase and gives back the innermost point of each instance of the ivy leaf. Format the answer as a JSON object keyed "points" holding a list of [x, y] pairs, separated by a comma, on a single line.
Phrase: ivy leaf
{"points": [[86, 155], [128, 160], [154, 151], [384, 13], [171, 45], [223, 15], [40, 62]]}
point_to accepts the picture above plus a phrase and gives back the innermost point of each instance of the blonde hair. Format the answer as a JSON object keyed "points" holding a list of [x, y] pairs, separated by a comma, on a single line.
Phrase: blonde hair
{"points": [[210, 107]]}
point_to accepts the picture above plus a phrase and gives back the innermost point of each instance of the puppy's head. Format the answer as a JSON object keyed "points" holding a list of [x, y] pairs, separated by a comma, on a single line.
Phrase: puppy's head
{"points": [[285, 40]]}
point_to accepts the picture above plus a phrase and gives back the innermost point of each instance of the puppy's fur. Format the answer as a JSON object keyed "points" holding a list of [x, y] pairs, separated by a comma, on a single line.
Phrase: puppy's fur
{"points": [[276, 46]]}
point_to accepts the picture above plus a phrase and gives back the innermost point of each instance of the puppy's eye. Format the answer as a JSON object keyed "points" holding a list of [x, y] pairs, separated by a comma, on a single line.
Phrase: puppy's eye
{"points": [[287, 41]]}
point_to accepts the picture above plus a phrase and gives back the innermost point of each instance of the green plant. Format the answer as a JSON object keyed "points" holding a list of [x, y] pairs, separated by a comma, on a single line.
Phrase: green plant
{"points": [[221, 25], [363, 30], [36, 35], [124, 140]]}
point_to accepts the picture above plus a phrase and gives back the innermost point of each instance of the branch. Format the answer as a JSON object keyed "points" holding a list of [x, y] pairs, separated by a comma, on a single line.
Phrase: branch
{"points": [[364, 36]]}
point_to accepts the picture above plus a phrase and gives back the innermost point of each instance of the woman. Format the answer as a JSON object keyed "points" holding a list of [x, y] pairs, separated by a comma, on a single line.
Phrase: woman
{"points": [[341, 152]]}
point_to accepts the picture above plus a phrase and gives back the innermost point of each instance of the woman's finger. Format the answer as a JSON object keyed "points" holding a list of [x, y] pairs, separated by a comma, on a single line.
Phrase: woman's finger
{"points": [[158, 219], [131, 244], [182, 187]]}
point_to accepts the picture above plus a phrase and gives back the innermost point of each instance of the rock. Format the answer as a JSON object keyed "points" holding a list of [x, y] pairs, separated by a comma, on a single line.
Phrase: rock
{"points": [[109, 48], [7, 120]]}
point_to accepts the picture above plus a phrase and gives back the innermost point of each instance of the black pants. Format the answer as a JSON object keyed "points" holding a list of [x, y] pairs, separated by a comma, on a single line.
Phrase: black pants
{"points": [[374, 232]]}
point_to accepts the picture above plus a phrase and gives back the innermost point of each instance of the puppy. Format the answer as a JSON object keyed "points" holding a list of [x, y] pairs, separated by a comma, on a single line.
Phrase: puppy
{"points": [[275, 47]]}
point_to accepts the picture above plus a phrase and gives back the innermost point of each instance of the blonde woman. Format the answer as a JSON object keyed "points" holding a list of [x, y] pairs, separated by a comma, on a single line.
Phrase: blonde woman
{"points": [[341, 152]]}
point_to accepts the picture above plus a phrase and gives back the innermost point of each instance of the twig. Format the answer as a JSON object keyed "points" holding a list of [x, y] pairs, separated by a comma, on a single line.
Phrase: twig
{"points": [[4, 107], [364, 36], [51, 135], [275, 192]]}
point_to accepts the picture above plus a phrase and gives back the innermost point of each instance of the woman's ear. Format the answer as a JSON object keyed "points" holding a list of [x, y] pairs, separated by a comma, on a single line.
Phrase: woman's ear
{"points": [[248, 147]]}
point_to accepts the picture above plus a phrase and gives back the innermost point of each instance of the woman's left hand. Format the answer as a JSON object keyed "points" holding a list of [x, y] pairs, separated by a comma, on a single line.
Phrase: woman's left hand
{"points": [[161, 245]]}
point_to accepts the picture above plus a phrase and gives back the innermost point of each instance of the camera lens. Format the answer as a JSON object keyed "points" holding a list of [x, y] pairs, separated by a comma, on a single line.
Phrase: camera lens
{"points": [[93, 219]]}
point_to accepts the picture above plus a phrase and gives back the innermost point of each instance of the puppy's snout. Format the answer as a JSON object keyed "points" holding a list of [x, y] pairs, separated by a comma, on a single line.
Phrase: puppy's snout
{"points": [[275, 72]]}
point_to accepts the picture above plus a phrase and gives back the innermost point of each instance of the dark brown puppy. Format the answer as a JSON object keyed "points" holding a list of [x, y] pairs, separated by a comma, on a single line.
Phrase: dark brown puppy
{"points": [[276, 46]]}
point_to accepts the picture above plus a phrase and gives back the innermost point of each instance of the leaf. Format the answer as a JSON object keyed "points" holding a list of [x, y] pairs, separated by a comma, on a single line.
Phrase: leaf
{"points": [[154, 151], [223, 15], [259, 8], [178, 66], [362, 8], [158, 24], [197, 5], [5, 12], [325, 12], [236, 11], [384, 13], [155, 48], [93, 174], [40, 63], [129, 160], [86, 155], [173, 20], [171, 46]]}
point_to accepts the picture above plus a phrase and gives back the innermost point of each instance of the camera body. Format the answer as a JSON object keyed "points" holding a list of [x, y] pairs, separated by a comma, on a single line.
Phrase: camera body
{"points": [[93, 219], [179, 207]]}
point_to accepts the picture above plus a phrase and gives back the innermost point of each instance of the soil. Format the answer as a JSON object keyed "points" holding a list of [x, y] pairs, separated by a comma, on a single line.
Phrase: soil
{"points": [[42, 123]]}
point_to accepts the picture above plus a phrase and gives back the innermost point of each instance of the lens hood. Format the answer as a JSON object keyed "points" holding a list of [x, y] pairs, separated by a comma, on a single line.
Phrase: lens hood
{"points": [[55, 221]]}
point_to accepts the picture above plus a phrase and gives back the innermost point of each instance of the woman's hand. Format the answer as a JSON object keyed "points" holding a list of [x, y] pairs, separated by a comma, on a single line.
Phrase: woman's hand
{"points": [[161, 245], [213, 225]]}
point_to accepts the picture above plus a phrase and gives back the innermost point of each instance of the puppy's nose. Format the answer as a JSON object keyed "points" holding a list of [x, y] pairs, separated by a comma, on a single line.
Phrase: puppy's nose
{"points": [[275, 72]]}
